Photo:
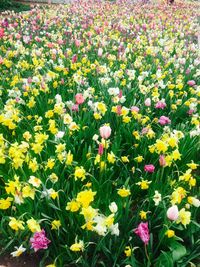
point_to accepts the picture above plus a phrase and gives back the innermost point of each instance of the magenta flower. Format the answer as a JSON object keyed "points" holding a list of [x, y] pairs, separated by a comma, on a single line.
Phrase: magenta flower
{"points": [[100, 150], [164, 120], [143, 232], [39, 241], [149, 168]]}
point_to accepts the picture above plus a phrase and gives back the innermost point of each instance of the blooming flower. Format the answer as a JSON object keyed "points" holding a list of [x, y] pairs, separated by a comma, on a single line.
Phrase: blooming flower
{"points": [[80, 173], [173, 213], [105, 131], [1, 32], [18, 251], [123, 192], [149, 168], [5, 203], [147, 102], [184, 217], [157, 198], [79, 99], [170, 233], [128, 251], [160, 105], [191, 83], [143, 232], [39, 241], [164, 120], [78, 246], [33, 225], [113, 207], [162, 161]]}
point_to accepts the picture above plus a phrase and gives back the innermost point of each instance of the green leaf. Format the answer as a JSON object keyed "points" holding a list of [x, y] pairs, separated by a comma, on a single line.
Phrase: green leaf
{"points": [[164, 260], [178, 250]]}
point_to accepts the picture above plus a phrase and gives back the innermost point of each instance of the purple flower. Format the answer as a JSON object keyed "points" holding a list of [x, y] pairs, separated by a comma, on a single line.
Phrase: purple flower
{"points": [[143, 232], [164, 120], [39, 241]]}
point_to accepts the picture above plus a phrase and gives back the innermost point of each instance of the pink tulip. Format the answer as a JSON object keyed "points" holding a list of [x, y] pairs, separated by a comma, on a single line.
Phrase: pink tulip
{"points": [[77, 43], [75, 107], [162, 160], [164, 120], [1, 32], [39, 241], [172, 213], [143, 232], [74, 58], [120, 94], [191, 83], [100, 150], [160, 105], [100, 52], [190, 111], [149, 168], [134, 108], [119, 110], [187, 71], [105, 131], [147, 102], [79, 99]]}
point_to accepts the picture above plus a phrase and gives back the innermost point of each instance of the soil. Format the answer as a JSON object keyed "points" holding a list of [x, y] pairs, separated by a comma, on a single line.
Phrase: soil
{"points": [[22, 261]]}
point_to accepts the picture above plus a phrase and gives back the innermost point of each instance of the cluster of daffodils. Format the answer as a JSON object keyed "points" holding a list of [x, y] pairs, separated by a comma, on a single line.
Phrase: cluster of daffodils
{"points": [[99, 133]]}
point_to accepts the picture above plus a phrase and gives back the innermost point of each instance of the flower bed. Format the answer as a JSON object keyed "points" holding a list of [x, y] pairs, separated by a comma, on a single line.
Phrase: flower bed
{"points": [[99, 134]]}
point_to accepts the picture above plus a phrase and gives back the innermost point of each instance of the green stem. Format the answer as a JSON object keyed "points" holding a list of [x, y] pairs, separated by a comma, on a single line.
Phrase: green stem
{"points": [[147, 255]]}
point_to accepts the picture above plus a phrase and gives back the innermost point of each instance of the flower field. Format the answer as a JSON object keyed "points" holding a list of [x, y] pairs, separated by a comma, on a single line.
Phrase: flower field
{"points": [[99, 134]]}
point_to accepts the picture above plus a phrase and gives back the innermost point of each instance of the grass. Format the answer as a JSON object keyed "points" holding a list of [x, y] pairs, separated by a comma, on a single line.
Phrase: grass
{"points": [[13, 6]]}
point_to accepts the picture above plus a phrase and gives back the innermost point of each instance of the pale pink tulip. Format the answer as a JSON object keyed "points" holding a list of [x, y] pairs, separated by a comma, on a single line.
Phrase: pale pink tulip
{"points": [[105, 131], [173, 213]]}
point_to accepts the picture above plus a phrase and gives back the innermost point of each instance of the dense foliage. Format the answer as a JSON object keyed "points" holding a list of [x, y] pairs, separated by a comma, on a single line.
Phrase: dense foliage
{"points": [[99, 134], [6, 5]]}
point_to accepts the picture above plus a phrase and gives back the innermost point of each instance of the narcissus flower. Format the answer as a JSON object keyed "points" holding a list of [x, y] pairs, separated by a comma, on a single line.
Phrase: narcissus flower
{"points": [[184, 217], [16, 224], [170, 233], [18, 251], [5, 203], [80, 173], [78, 246], [123, 192], [128, 251], [55, 225], [33, 225]]}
